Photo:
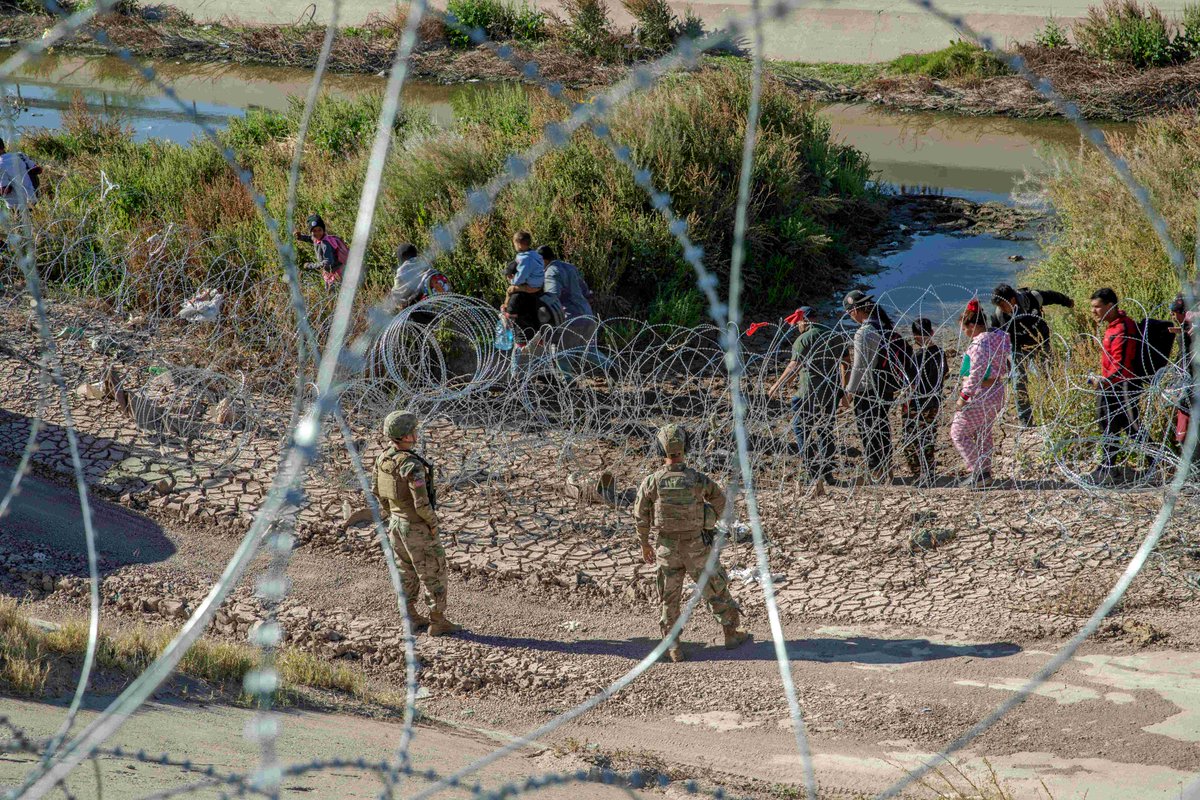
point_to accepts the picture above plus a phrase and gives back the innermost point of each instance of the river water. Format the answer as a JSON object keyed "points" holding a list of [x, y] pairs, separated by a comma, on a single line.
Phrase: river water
{"points": [[979, 158]]}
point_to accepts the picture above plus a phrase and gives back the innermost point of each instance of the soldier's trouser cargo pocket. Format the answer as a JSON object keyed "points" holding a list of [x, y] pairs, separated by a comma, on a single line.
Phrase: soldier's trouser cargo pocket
{"points": [[684, 556], [421, 560]]}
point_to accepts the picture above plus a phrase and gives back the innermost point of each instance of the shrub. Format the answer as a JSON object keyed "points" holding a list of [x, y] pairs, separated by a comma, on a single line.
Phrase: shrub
{"points": [[498, 19], [656, 25], [1124, 31], [1052, 35], [962, 59], [692, 27], [589, 30], [1187, 41]]}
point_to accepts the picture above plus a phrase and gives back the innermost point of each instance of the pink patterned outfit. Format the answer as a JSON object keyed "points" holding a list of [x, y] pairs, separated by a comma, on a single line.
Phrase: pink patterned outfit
{"points": [[971, 431]]}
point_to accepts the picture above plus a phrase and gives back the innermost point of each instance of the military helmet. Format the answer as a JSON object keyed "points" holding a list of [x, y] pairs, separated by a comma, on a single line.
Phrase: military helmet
{"points": [[399, 424], [672, 440]]}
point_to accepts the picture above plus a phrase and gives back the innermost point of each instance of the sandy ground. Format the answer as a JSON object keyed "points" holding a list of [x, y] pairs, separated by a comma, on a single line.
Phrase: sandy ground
{"points": [[875, 697], [851, 31], [212, 736]]}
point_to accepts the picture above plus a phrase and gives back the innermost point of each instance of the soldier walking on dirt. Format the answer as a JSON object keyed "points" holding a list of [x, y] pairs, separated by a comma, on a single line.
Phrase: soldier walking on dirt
{"points": [[672, 502], [405, 490]]}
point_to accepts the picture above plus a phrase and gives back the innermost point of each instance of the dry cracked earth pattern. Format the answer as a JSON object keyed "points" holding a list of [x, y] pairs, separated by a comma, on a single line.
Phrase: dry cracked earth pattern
{"points": [[908, 615]]}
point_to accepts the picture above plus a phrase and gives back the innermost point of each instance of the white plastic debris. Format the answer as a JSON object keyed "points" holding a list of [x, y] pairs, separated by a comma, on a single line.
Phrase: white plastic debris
{"points": [[750, 575], [204, 307], [736, 533]]}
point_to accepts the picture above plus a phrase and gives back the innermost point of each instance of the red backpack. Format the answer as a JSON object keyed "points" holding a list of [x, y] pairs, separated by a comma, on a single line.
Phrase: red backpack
{"points": [[339, 247]]}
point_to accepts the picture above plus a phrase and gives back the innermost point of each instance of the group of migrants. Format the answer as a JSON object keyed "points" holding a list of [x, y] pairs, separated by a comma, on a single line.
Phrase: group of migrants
{"points": [[543, 290], [867, 373], [877, 368]]}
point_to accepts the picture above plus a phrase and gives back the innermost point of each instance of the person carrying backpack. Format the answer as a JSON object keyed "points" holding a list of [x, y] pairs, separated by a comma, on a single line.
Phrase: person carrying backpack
{"points": [[1118, 383], [19, 178], [1019, 314], [331, 251], [877, 376], [920, 412], [981, 396], [415, 279]]}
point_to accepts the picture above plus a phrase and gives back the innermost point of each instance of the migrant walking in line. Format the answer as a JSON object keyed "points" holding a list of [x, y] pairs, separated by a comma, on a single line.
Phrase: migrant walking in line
{"points": [[981, 397]]}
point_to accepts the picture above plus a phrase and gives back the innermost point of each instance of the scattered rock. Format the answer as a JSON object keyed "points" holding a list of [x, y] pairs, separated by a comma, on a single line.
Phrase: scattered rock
{"points": [[91, 391]]}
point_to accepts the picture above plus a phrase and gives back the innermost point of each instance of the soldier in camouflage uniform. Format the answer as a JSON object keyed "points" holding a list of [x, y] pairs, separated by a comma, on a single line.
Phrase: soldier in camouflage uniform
{"points": [[673, 502], [404, 488]]}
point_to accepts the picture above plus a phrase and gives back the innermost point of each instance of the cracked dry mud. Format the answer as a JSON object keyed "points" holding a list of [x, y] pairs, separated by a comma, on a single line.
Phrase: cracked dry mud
{"points": [[899, 636]]}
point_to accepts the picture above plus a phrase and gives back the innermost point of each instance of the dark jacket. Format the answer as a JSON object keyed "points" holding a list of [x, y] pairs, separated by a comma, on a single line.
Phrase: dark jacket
{"points": [[1028, 332], [326, 253], [931, 368]]}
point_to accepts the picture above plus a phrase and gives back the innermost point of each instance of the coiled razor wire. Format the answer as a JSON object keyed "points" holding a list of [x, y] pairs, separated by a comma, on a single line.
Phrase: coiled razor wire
{"points": [[443, 382]]}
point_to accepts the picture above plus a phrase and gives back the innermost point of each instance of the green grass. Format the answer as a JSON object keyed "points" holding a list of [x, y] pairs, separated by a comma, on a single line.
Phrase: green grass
{"points": [[811, 205], [961, 59], [843, 74]]}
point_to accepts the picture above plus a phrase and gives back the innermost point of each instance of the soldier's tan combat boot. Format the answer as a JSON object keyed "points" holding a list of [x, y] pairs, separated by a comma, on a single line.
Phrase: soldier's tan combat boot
{"points": [[676, 653], [417, 619], [734, 637], [440, 626]]}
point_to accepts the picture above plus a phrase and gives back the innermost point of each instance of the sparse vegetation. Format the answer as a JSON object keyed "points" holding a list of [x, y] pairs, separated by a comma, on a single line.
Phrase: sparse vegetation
{"points": [[1052, 35], [27, 653], [23, 670]]}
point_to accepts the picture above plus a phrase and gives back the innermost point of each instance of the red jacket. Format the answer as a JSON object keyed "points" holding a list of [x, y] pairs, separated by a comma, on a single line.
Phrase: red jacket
{"points": [[1119, 348]]}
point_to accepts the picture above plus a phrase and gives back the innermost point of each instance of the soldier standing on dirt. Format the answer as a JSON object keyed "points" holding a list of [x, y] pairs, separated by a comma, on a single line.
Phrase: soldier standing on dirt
{"points": [[672, 502], [404, 488]]}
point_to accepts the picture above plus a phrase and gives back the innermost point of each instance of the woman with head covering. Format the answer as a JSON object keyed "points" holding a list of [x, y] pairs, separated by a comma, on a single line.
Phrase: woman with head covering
{"points": [[981, 397]]}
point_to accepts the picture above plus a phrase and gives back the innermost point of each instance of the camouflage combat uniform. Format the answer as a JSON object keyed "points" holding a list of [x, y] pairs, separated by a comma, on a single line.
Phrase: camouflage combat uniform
{"points": [[404, 488], [671, 503]]}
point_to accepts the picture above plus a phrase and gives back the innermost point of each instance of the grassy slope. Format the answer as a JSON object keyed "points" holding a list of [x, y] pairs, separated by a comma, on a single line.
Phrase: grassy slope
{"points": [[1103, 237], [810, 208]]}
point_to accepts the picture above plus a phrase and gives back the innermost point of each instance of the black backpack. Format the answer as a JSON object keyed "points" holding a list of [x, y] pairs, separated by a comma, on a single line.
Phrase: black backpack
{"points": [[1155, 343], [895, 368]]}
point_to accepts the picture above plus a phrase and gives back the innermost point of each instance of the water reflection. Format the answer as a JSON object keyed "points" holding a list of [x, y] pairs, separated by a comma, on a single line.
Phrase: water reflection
{"points": [[45, 89], [981, 158]]}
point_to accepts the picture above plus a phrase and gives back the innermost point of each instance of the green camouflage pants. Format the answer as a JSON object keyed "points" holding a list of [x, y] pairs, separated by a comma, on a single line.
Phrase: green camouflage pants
{"points": [[682, 556], [421, 560]]}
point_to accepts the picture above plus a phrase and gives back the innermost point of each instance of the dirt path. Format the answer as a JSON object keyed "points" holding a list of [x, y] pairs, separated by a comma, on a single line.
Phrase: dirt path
{"points": [[212, 736], [875, 696]]}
